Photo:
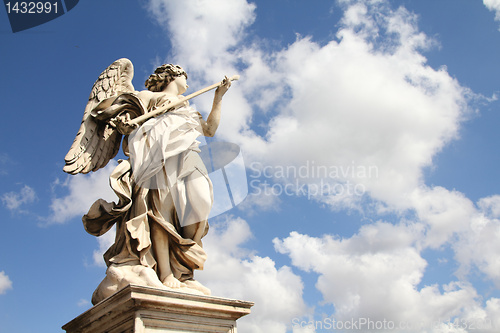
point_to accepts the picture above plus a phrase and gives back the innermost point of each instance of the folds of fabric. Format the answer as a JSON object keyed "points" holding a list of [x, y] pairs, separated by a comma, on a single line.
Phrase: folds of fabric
{"points": [[155, 145], [136, 210], [164, 155], [151, 189]]}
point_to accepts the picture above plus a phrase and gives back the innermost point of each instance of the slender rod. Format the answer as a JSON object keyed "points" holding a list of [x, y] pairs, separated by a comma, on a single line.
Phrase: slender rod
{"points": [[142, 118]]}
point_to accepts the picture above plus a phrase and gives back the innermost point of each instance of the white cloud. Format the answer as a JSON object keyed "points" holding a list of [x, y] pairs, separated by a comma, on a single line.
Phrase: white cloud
{"points": [[307, 328], [14, 201], [354, 103], [206, 40], [384, 261], [83, 190], [367, 98], [5, 283], [479, 244], [104, 242], [357, 273], [83, 303], [494, 6], [234, 272], [491, 317], [490, 206], [445, 214], [260, 198], [203, 31], [473, 232]]}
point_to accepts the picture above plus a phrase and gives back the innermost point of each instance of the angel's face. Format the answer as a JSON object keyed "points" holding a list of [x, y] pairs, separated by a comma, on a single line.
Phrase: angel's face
{"points": [[181, 83]]}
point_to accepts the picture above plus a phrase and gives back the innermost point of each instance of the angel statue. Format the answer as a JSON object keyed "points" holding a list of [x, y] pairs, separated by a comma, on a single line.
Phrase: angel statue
{"points": [[164, 192]]}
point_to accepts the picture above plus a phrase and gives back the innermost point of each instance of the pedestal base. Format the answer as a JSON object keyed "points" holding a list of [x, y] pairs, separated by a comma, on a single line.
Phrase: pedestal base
{"points": [[147, 310]]}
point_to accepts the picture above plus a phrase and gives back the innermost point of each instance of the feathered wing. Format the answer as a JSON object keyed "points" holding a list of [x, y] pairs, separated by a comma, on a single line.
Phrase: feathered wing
{"points": [[97, 142]]}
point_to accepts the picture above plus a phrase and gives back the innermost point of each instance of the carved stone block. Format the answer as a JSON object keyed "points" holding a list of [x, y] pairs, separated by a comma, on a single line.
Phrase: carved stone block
{"points": [[140, 309]]}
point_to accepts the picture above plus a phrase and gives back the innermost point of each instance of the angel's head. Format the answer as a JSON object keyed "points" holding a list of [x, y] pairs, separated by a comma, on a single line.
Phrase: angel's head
{"points": [[162, 76]]}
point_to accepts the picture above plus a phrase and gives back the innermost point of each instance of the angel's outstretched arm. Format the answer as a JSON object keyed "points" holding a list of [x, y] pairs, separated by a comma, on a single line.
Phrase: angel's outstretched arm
{"points": [[212, 123]]}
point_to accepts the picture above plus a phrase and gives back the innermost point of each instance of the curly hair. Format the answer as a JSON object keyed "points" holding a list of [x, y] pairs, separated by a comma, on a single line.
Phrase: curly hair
{"points": [[162, 76]]}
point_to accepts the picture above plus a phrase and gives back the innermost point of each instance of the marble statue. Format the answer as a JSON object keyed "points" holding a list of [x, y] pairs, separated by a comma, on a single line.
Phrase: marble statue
{"points": [[164, 192]]}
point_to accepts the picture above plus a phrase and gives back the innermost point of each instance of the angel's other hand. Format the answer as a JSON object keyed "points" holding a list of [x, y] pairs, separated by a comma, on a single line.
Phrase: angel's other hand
{"points": [[122, 124]]}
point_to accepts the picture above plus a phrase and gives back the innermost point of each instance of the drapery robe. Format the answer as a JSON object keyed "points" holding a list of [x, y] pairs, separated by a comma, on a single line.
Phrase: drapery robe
{"points": [[151, 189]]}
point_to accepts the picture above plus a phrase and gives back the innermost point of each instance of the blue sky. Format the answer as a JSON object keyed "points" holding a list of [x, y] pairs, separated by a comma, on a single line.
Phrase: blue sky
{"points": [[396, 100]]}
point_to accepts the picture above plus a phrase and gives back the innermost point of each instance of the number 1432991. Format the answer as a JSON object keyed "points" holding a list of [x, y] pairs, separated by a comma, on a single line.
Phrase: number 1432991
{"points": [[32, 7]]}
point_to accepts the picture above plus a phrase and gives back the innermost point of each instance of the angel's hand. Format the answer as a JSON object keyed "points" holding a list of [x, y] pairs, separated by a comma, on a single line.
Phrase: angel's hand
{"points": [[122, 124], [223, 88]]}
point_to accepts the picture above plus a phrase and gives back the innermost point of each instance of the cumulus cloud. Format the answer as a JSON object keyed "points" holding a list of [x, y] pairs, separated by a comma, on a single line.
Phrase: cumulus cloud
{"points": [[203, 31], [82, 191], [356, 273], [448, 218], [354, 103], [384, 261], [490, 206], [206, 38], [478, 245], [446, 214], [13, 201], [494, 6], [365, 100], [262, 197], [5, 283], [104, 242], [235, 272]]}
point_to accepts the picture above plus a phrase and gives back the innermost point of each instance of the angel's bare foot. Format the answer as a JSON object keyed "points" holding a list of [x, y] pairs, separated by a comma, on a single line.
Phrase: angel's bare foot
{"points": [[193, 284], [171, 282]]}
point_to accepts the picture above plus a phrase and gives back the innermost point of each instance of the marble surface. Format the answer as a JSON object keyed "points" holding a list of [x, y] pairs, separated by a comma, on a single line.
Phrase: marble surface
{"points": [[145, 309]]}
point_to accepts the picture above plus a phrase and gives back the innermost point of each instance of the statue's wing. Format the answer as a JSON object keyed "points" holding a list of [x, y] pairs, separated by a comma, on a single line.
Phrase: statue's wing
{"points": [[97, 142]]}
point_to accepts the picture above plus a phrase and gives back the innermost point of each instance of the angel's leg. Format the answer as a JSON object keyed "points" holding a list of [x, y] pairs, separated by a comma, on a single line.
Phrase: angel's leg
{"points": [[199, 203], [159, 238], [199, 197], [162, 206]]}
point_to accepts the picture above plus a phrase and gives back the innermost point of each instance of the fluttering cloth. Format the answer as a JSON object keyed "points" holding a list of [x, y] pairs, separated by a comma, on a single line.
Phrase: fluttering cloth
{"points": [[153, 190], [164, 155]]}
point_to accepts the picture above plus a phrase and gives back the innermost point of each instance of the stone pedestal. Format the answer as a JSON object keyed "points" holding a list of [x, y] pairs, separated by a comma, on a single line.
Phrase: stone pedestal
{"points": [[146, 310]]}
